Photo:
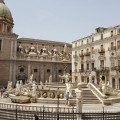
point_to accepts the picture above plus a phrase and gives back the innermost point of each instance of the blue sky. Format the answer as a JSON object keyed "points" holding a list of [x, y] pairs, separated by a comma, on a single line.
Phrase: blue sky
{"points": [[62, 20]]}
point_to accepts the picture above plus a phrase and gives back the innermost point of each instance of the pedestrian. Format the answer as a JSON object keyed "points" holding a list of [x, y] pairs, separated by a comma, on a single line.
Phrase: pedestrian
{"points": [[2, 91], [67, 99], [35, 117]]}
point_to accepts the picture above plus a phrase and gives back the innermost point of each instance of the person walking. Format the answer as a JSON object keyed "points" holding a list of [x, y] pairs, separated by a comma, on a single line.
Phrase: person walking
{"points": [[67, 99]]}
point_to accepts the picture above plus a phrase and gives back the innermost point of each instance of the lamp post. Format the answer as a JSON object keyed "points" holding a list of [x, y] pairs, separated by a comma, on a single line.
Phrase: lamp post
{"points": [[58, 93]]}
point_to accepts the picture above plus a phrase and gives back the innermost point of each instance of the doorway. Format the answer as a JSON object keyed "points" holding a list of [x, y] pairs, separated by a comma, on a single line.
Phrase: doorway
{"points": [[113, 83]]}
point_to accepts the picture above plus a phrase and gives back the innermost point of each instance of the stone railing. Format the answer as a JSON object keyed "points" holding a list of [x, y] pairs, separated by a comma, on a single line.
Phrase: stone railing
{"points": [[112, 91], [33, 107], [97, 92], [39, 58]]}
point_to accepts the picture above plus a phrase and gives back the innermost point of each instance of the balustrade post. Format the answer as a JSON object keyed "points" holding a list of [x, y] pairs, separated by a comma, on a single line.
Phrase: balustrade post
{"points": [[16, 112], [43, 112]]}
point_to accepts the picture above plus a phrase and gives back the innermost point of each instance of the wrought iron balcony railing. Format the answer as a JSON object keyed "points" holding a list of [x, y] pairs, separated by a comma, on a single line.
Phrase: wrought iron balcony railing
{"points": [[117, 68], [112, 48], [102, 69]]}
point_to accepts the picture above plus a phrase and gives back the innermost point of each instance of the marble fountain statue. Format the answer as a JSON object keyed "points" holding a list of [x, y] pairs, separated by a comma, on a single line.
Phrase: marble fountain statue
{"points": [[40, 93]]}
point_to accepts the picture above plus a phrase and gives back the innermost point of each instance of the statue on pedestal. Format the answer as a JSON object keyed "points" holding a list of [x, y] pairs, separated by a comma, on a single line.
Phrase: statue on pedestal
{"points": [[50, 78], [69, 89], [67, 77], [9, 86], [34, 89], [78, 92], [31, 78], [32, 51], [17, 87]]}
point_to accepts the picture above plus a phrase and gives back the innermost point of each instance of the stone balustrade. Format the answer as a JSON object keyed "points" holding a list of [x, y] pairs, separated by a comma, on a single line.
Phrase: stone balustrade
{"points": [[31, 107], [97, 92], [112, 91], [39, 58]]}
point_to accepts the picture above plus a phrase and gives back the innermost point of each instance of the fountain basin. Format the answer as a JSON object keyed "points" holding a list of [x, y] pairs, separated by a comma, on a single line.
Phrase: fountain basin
{"points": [[20, 99]]}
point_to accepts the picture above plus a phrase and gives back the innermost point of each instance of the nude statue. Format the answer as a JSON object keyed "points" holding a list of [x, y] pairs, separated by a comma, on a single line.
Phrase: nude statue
{"points": [[69, 89], [50, 78]]}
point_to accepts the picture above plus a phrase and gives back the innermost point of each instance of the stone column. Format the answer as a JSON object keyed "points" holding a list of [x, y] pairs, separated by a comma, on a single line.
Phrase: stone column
{"points": [[14, 73], [79, 101], [42, 72], [116, 82], [11, 51], [29, 70], [10, 72], [15, 48]]}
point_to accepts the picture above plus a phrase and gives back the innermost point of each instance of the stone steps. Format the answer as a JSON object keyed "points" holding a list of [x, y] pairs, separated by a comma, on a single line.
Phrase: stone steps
{"points": [[88, 96]]}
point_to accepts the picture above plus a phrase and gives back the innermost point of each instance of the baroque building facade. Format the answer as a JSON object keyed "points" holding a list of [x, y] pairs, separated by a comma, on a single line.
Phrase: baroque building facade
{"points": [[97, 57], [21, 57]]}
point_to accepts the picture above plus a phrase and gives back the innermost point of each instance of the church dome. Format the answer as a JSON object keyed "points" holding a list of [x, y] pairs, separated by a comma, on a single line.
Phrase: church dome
{"points": [[4, 11]]}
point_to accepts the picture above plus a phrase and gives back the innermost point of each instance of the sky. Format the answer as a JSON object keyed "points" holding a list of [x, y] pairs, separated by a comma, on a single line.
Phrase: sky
{"points": [[62, 20]]}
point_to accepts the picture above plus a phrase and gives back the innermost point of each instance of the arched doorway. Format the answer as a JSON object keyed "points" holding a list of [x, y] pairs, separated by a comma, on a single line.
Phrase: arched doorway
{"points": [[113, 83], [87, 80], [119, 83], [22, 77]]}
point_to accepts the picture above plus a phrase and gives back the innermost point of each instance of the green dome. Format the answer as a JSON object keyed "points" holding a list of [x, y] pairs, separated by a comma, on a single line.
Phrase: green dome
{"points": [[4, 11]]}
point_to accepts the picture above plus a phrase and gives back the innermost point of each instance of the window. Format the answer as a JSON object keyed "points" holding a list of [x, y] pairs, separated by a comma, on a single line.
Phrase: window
{"points": [[82, 42], [21, 69], [111, 33], [60, 71], [118, 44], [0, 45], [82, 67], [75, 44], [92, 39], [35, 70], [48, 70], [82, 52], [101, 36], [87, 50], [118, 62], [118, 31], [92, 50], [0, 28], [112, 44], [92, 66], [87, 41], [101, 63], [87, 66]]}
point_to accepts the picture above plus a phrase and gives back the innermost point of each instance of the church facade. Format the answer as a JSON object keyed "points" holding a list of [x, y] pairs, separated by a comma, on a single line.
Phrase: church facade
{"points": [[21, 57]]}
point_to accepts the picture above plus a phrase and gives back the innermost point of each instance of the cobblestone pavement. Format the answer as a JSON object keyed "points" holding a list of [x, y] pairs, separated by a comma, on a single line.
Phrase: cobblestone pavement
{"points": [[86, 107]]}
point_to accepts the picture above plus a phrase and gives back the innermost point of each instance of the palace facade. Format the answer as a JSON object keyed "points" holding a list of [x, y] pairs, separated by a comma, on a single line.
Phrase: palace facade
{"points": [[21, 57], [97, 57]]}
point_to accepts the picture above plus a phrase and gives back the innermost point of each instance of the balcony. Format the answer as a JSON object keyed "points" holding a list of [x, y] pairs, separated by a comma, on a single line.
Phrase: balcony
{"points": [[112, 48], [102, 69], [117, 68], [102, 50]]}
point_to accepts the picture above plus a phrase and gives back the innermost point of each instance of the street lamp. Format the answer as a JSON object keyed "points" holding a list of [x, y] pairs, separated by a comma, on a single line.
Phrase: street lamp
{"points": [[58, 93]]}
